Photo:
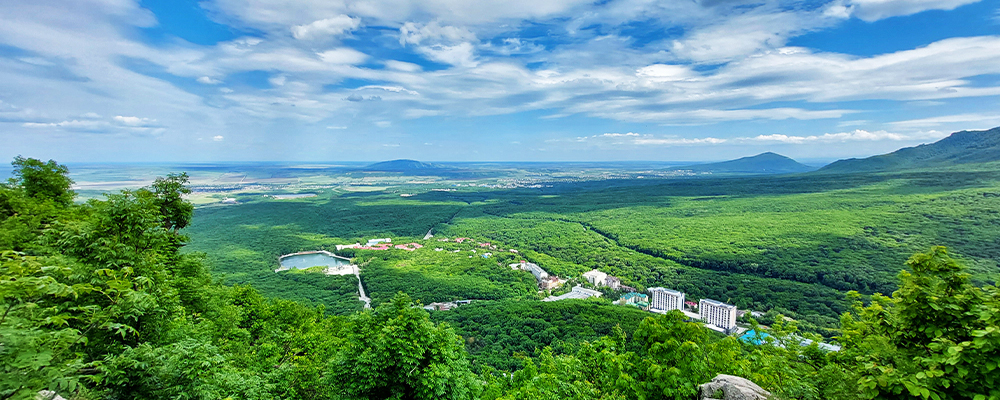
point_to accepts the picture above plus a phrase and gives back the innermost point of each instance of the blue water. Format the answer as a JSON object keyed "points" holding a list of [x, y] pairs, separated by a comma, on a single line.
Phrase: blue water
{"points": [[312, 260]]}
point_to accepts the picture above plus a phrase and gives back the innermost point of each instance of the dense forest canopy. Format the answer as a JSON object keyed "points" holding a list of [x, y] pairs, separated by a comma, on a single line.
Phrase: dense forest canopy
{"points": [[99, 302]]}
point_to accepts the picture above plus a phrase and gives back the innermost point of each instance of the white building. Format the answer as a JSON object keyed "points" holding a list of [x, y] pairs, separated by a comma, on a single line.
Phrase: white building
{"points": [[533, 268], [373, 242], [717, 313], [595, 277], [665, 299]]}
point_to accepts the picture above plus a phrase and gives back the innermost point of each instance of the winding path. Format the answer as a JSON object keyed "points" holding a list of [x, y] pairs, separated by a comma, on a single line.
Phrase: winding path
{"points": [[361, 291]]}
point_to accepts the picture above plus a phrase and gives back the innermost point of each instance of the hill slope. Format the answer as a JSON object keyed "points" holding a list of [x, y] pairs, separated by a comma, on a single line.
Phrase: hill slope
{"points": [[764, 163], [963, 147], [401, 166]]}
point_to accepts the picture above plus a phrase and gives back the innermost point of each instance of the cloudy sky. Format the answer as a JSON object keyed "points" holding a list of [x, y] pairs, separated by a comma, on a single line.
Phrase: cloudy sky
{"points": [[455, 80]]}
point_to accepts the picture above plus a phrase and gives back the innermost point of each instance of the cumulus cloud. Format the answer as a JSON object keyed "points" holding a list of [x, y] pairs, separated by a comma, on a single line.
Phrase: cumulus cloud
{"points": [[859, 135], [873, 10], [218, 138], [209, 81], [402, 66], [729, 61], [343, 55], [327, 27], [133, 121], [73, 125], [853, 136]]}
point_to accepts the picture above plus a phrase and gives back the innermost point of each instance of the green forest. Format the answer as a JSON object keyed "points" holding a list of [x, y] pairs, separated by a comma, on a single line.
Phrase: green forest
{"points": [[792, 244], [141, 295]]}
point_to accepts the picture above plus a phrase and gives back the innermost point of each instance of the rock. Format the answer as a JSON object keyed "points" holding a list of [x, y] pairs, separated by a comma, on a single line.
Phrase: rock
{"points": [[728, 387], [48, 395]]}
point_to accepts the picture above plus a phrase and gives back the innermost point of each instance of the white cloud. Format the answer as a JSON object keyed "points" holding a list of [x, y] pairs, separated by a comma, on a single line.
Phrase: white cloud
{"points": [[981, 119], [394, 89], [414, 33], [853, 136], [873, 10], [278, 80], [133, 121], [71, 125], [402, 66], [678, 141], [383, 124], [336, 127], [665, 73], [343, 55], [218, 138], [619, 134], [327, 27], [461, 54], [209, 81], [859, 135]]}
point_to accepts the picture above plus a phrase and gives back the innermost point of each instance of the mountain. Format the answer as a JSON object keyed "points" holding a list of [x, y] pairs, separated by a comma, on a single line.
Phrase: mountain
{"points": [[764, 163], [402, 166], [965, 147]]}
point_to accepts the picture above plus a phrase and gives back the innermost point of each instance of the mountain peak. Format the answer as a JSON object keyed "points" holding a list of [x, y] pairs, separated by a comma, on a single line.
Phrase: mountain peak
{"points": [[401, 165], [763, 163]]}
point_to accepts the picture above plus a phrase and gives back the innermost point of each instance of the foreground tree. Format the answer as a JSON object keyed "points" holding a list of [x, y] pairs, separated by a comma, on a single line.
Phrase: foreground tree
{"points": [[937, 337], [43, 180], [397, 353]]}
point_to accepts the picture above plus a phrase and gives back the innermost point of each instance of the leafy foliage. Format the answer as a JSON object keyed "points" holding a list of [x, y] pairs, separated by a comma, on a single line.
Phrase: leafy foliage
{"points": [[937, 337], [99, 301]]}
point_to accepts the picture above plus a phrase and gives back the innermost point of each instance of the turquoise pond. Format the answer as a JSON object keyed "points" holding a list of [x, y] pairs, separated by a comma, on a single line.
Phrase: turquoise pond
{"points": [[304, 261]]}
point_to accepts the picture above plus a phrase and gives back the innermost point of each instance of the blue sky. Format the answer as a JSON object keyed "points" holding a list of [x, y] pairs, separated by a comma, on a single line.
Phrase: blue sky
{"points": [[506, 80]]}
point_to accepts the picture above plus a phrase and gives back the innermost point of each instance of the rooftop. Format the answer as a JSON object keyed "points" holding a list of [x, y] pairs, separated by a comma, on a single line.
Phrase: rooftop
{"points": [[717, 303]]}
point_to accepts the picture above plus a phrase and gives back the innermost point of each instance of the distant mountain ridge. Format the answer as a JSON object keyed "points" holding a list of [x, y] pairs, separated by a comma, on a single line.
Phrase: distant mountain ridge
{"points": [[965, 147], [402, 165], [764, 163]]}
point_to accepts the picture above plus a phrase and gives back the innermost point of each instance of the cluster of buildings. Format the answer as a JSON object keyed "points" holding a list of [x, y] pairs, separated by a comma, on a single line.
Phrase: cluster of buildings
{"points": [[380, 244], [446, 305], [545, 281], [715, 314]]}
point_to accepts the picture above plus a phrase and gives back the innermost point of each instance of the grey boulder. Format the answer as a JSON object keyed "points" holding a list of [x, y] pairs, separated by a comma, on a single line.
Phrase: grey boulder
{"points": [[728, 387]]}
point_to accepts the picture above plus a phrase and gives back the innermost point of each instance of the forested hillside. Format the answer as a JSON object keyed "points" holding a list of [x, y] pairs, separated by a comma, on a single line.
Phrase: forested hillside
{"points": [[958, 149], [100, 303], [764, 163], [795, 244]]}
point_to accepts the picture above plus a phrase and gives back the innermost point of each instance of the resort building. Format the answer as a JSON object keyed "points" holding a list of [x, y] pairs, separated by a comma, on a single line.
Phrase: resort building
{"points": [[665, 299], [717, 313], [634, 299], [595, 277], [551, 282], [374, 242], [533, 268], [613, 282]]}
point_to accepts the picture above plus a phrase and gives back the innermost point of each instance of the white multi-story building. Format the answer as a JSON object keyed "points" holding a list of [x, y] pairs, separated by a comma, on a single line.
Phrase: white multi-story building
{"points": [[665, 299], [717, 313], [596, 277]]}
